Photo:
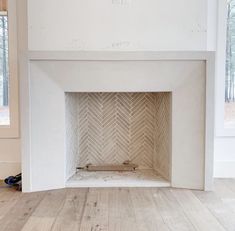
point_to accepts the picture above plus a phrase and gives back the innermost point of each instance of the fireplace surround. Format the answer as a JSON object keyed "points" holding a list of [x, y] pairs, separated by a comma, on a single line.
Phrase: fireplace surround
{"points": [[55, 79]]}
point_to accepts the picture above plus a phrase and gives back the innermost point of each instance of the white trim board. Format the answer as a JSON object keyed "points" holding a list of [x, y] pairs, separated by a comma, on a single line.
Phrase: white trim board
{"points": [[120, 55], [224, 169]]}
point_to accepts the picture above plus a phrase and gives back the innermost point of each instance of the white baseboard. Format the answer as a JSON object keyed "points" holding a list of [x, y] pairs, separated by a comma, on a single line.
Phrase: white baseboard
{"points": [[9, 169], [224, 169]]}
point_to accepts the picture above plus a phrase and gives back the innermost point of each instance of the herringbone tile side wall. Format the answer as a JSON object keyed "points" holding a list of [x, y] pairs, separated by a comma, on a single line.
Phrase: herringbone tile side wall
{"points": [[90, 139], [114, 127], [162, 144], [71, 125], [142, 129]]}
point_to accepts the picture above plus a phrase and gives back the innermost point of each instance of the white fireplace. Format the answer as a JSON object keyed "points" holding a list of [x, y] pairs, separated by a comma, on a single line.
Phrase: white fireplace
{"points": [[155, 109]]}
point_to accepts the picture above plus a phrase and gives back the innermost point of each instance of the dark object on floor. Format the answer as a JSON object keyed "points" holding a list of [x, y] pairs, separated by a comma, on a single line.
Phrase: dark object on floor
{"points": [[14, 181], [126, 166]]}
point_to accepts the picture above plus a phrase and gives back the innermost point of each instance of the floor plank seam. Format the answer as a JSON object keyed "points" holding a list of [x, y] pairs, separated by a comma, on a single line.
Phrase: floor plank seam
{"points": [[59, 210], [84, 207], [168, 227], [205, 207], [184, 212]]}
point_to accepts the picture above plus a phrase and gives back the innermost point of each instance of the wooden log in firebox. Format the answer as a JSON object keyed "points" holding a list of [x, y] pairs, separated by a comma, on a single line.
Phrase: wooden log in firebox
{"points": [[126, 166]]}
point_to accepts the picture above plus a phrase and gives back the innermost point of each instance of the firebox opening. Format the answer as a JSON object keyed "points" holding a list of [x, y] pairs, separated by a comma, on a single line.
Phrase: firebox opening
{"points": [[107, 129]]}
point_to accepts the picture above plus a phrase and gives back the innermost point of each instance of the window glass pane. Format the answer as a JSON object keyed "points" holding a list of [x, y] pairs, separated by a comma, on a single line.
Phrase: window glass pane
{"points": [[4, 68], [230, 67]]}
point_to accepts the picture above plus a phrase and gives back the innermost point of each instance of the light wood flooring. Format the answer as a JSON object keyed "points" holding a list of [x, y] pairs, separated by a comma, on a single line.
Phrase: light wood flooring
{"points": [[123, 209]]}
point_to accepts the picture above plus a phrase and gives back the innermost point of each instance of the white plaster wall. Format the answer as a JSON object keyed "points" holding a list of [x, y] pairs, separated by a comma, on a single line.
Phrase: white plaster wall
{"points": [[117, 24], [10, 159]]}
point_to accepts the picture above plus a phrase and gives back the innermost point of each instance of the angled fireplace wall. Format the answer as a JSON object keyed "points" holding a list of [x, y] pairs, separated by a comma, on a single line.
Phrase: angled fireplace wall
{"points": [[187, 75], [110, 128]]}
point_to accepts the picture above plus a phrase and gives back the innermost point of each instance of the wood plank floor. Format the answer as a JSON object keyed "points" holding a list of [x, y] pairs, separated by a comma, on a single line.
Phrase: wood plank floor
{"points": [[122, 209]]}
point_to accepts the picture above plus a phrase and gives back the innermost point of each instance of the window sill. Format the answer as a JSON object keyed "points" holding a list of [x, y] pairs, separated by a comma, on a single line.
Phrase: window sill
{"points": [[225, 132]]}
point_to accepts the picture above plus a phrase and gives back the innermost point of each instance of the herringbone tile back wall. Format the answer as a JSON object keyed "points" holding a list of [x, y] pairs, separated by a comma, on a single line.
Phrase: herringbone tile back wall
{"points": [[113, 127]]}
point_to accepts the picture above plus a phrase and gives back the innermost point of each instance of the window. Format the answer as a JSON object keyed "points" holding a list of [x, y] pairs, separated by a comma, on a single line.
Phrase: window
{"points": [[230, 66], [4, 68], [9, 116]]}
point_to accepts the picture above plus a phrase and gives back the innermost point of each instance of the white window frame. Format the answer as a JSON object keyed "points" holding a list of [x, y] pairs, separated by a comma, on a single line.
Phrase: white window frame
{"points": [[221, 130], [12, 130]]}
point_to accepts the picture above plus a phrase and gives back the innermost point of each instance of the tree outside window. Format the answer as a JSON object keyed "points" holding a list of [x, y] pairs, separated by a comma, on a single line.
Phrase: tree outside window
{"points": [[4, 68], [230, 67]]}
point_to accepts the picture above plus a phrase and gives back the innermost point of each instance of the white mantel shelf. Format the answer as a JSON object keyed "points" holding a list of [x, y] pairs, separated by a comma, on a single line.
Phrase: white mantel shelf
{"points": [[120, 55]]}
